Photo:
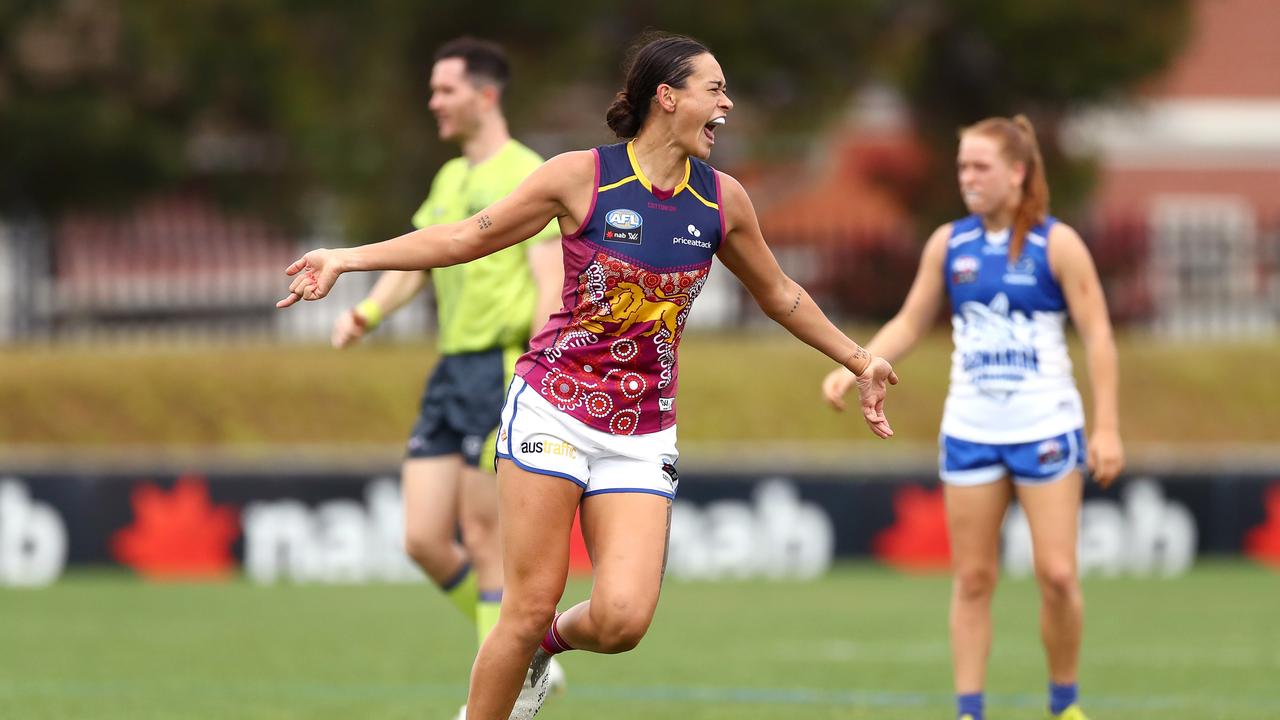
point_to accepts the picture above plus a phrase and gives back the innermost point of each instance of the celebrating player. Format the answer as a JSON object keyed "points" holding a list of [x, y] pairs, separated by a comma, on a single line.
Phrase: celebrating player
{"points": [[590, 420]]}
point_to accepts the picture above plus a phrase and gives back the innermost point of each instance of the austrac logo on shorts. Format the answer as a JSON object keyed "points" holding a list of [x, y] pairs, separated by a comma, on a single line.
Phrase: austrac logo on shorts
{"points": [[548, 447]]}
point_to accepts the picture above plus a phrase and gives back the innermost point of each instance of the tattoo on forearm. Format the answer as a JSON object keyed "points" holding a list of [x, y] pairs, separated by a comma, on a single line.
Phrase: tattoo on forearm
{"points": [[484, 221], [861, 356], [795, 304]]}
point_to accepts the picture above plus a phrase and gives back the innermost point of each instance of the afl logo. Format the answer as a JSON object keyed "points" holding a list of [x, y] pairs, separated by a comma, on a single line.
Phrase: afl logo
{"points": [[624, 226], [624, 219], [964, 269]]}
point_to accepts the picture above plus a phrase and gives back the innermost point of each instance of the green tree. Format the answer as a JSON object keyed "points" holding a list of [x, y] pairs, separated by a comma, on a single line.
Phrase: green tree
{"points": [[269, 104], [958, 61]]}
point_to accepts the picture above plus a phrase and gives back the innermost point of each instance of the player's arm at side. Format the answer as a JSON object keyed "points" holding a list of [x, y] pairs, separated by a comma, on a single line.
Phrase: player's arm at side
{"points": [[540, 198], [546, 265], [392, 290], [744, 252], [1071, 264], [912, 321]]}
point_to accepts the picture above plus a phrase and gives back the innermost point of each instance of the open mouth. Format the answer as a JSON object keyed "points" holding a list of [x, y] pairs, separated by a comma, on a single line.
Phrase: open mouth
{"points": [[709, 130]]}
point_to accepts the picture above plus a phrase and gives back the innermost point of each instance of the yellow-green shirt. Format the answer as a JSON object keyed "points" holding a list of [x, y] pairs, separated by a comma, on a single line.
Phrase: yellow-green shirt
{"points": [[487, 303]]}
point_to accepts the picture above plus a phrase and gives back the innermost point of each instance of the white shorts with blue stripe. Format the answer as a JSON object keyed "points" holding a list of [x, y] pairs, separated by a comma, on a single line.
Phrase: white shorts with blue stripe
{"points": [[541, 439]]}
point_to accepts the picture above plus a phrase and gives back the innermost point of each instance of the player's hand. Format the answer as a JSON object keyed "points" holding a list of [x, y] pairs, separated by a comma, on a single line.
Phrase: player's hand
{"points": [[313, 276], [836, 385], [347, 330], [1106, 456], [872, 386]]}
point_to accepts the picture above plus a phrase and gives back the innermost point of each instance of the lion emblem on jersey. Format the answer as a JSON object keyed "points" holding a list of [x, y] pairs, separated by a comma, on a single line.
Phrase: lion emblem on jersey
{"points": [[629, 304]]}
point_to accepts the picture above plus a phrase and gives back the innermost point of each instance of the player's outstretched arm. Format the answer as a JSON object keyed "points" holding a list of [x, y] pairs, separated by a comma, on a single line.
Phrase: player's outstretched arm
{"points": [[745, 253], [912, 321], [1071, 263], [542, 196]]}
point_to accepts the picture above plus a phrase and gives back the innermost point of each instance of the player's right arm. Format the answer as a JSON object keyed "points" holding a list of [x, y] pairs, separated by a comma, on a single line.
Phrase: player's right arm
{"points": [[913, 320], [557, 189]]}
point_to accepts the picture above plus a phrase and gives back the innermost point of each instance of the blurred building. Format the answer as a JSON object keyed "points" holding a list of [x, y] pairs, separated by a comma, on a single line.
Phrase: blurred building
{"points": [[1196, 159]]}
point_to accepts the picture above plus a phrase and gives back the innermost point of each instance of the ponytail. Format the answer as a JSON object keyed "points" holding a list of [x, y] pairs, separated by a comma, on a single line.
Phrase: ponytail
{"points": [[655, 59], [1017, 139], [623, 119], [1034, 206]]}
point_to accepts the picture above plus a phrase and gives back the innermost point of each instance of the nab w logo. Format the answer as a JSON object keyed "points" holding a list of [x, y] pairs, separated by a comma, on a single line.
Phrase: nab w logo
{"points": [[624, 226]]}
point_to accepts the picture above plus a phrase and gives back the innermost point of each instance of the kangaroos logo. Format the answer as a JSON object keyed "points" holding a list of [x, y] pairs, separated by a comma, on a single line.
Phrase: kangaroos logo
{"points": [[624, 226]]}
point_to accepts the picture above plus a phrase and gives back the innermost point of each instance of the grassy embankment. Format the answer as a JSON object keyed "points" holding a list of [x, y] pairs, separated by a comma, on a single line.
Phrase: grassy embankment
{"points": [[750, 389]]}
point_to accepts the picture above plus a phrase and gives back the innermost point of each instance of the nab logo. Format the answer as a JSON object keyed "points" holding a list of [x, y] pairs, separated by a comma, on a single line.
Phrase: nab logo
{"points": [[624, 226]]}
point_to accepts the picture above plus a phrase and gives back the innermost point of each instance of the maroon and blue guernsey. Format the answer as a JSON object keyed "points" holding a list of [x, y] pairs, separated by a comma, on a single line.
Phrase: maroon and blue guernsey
{"points": [[608, 357]]}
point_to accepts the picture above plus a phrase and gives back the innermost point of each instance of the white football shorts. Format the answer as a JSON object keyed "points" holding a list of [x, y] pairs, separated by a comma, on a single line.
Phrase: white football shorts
{"points": [[539, 438]]}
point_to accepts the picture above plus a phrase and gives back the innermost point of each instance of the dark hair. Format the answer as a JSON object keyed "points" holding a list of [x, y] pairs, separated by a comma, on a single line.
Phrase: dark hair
{"points": [[484, 60], [655, 59], [1017, 140]]}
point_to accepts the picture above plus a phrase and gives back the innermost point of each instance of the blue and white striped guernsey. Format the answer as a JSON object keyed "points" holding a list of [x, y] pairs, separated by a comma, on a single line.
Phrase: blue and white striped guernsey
{"points": [[1011, 378]]}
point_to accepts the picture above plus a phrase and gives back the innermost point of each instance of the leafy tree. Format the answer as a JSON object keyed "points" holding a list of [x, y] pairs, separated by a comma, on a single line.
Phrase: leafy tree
{"points": [[271, 104]]}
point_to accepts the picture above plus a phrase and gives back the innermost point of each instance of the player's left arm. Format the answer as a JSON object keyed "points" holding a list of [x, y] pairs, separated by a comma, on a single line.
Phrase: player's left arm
{"points": [[1071, 264], [744, 252]]}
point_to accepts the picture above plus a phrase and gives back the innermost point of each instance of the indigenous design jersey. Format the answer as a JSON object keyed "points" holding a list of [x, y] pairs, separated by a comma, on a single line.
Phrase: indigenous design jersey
{"points": [[632, 271], [1010, 373]]}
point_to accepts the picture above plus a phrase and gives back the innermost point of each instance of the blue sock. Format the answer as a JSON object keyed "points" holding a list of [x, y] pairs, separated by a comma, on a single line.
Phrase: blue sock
{"points": [[969, 704], [1062, 696]]}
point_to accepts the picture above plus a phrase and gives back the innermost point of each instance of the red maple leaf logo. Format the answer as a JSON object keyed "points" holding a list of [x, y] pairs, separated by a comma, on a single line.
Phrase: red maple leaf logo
{"points": [[1262, 543], [917, 541], [178, 534], [579, 558]]}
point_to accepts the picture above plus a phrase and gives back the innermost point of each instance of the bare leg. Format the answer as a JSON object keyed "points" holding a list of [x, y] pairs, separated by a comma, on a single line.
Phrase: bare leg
{"points": [[479, 518], [1053, 511], [626, 534], [431, 488], [537, 514], [974, 516]]}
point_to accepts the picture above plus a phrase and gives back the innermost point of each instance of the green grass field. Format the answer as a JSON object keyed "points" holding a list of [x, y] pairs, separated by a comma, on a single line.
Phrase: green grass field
{"points": [[861, 643]]}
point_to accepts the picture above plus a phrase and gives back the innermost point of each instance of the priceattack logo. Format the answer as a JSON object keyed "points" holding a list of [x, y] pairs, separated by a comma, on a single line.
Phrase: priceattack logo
{"points": [[178, 534]]}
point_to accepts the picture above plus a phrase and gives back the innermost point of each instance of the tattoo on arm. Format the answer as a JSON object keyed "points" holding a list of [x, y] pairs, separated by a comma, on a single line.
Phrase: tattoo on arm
{"points": [[485, 222], [862, 356], [795, 304]]}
